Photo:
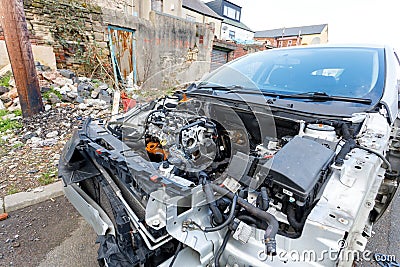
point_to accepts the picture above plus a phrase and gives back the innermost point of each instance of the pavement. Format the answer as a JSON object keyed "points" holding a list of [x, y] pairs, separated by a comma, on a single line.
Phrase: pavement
{"points": [[51, 233], [24, 199]]}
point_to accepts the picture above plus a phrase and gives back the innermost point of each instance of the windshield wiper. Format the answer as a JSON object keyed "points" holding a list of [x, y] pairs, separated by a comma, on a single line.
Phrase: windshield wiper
{"points": [[322, 96], [213, 86], [316, 96]]}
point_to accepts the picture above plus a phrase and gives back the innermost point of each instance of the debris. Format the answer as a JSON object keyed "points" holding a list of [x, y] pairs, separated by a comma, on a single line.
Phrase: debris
{"points": [[52, 134], [128, 103], [67, 73], [4, 90], [3, 216], [5, 69]]}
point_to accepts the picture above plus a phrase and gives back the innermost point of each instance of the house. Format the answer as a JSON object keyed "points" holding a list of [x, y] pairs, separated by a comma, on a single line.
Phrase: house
{"points": [[197, 11], [283, 37], [231, 28]]}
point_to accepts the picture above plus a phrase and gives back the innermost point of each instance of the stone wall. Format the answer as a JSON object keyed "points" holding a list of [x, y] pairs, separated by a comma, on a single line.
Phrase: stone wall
{"points": [[73, 28], [169, 50]]}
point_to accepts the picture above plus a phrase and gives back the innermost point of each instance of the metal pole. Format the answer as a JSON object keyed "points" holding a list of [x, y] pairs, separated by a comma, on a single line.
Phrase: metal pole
{"points": [[12, 18]]}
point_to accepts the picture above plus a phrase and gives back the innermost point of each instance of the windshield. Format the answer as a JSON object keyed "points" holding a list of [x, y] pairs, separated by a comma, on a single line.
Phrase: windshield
{"points": [[339, 71]]}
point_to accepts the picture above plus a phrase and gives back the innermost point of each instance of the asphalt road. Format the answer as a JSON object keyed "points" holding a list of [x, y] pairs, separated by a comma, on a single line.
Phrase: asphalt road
{"points": [[54, 234], [48, 234]]}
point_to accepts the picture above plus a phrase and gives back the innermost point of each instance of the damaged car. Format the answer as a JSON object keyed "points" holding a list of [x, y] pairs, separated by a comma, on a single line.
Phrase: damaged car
{"points": [[290, 151]]}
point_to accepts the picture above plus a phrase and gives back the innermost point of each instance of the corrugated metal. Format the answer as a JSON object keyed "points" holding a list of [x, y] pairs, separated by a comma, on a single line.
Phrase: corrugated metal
{"points": [[218, 58]]}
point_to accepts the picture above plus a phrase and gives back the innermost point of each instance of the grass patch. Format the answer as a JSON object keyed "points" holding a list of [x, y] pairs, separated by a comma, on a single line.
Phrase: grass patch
{"points": [[5, 80], [47, 178], [18, 145], [3, 112], [54, 91], [17, 112], [12, 189], [9, 125]]}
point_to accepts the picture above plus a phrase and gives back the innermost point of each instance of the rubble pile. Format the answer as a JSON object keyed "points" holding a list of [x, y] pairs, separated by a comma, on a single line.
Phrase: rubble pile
{"points": [[30, 147], [63, 88]]}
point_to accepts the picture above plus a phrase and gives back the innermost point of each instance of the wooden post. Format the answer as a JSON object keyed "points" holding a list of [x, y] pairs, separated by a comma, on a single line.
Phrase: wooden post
{"points": [[12, 18]]}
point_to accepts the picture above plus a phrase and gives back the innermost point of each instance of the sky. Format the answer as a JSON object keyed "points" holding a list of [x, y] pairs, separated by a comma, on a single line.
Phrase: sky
{"points": [[349, 21]]}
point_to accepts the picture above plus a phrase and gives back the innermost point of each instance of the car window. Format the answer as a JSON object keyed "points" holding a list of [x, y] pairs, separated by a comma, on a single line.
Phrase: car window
{"points": [[350, 72], [334, 71]]}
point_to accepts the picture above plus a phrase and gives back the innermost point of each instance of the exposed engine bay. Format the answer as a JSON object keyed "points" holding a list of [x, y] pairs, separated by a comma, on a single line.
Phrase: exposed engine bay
{"points": [[204, 183]]}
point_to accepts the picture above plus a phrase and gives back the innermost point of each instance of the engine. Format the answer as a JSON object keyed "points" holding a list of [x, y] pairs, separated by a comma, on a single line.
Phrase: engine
{"points": [[246, 180], [187, 142], [285, 172]]}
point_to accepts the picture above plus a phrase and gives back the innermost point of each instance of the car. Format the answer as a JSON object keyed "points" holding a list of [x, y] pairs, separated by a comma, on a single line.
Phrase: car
{"points": [[285, 157]]}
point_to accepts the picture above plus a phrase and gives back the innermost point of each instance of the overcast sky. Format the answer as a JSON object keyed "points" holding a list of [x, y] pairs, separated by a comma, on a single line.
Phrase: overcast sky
{"points": [[350, 21]]}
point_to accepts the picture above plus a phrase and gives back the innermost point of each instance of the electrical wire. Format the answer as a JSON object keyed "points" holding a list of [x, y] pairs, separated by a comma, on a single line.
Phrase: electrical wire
{"points": [[222, 248], [178, 249], [388, 165]]}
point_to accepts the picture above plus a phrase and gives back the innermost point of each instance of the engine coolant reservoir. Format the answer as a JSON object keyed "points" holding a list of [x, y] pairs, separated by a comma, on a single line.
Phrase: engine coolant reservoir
{"points": [[321, 131]]}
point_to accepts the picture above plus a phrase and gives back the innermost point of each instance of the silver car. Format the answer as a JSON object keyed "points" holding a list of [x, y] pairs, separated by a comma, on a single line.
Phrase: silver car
{"points": [[285, 157]]}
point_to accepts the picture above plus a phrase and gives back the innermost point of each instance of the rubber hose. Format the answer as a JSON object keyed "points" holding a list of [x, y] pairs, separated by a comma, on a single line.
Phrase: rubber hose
{"points": [[273, 224]]}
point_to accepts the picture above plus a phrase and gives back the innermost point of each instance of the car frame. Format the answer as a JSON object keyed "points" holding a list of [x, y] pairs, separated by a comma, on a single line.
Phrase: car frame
{"points": [[164, 185]]}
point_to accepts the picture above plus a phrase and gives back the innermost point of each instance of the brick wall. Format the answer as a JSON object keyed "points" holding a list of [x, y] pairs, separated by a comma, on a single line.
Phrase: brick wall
{"points": [[285, 41], [242, 50]]}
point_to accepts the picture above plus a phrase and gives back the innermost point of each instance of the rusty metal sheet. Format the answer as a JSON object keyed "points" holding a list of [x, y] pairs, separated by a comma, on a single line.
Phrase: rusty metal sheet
{"points": [[122, 42]]}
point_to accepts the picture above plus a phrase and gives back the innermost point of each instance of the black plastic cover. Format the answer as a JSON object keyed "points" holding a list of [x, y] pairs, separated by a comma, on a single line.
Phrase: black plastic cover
{"points": [[298, 165]]}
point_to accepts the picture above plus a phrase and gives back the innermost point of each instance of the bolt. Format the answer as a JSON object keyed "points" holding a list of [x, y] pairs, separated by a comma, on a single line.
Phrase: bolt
{"points": [[155, 223]]}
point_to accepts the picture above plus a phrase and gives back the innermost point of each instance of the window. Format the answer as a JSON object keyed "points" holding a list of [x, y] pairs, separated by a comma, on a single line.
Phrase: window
{"points": [[232, 35], [289, 43], [157, 5], [231, 13], [190, 18], [349, 72], [280, 44]]}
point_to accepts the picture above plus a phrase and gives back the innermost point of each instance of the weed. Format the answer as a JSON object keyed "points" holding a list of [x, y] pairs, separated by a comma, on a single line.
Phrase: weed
{"points": [[3, 112], [17, 112], [47, 178], [18, 145], [170, 91], [5, 80], [9, 125], [12, 189], [46, 95]]}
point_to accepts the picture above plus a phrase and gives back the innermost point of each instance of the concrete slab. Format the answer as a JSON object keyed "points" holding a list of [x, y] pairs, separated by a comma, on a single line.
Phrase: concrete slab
{"points": [[25, 199]]}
